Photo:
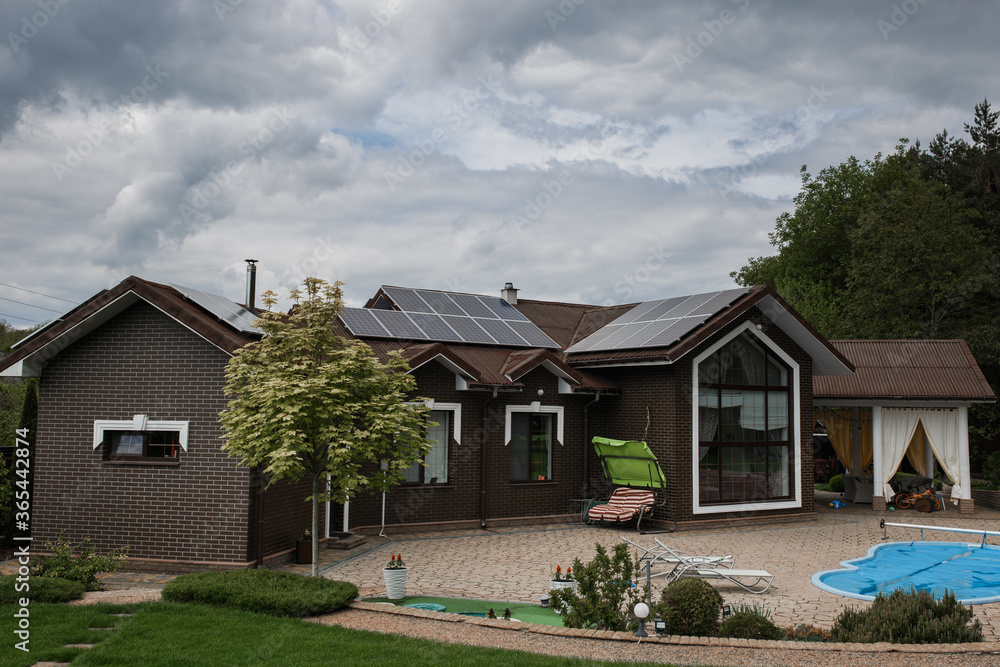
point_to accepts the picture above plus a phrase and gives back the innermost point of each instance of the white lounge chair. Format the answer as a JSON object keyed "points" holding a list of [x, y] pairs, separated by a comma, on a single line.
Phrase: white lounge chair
{"points": [[701, 567]]}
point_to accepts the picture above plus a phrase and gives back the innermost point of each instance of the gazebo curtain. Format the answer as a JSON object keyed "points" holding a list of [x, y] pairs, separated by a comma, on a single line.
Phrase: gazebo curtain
{"points": [[838, 429], [900, 428]]}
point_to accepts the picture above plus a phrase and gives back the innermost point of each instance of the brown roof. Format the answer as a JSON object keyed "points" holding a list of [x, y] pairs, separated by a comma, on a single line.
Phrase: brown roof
{"points": [[490, 365], [906, 369], [35, 350], [569, 323]]}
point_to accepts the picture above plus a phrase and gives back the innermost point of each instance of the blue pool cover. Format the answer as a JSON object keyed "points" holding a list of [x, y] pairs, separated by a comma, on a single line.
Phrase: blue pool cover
{"points": [[970, 571]]}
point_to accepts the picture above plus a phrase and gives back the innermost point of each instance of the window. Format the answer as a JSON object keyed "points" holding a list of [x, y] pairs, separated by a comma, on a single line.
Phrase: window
{"points": [[141, 440], [530, 447], [434, 468], [142, 445], [745, 448]]}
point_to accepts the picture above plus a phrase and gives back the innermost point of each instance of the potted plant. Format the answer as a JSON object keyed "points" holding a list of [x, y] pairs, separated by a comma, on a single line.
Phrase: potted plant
{"points": [[395, 577], [303, 548], [560, 580]]}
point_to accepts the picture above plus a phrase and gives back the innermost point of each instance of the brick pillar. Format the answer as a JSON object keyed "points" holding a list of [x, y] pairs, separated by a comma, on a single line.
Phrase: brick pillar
{"points": [[966, 505], [878, 504]]}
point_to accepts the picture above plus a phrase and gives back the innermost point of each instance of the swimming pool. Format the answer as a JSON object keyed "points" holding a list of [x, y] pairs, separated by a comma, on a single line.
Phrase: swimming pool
{"points": [[970, 571]]}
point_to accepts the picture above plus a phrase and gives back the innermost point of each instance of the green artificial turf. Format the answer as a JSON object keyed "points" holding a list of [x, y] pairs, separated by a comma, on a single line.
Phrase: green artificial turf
{"points": [[526, 613]]}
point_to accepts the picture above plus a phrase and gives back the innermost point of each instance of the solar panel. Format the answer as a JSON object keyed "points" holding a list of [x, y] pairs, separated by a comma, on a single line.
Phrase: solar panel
{"points": [[468, 330], [502, 333], [532, 334], [441, 303], [472, 305], [228, 311], [503, 310], [659, 323], [398, 324], [361, 322], [434, 327], [408, 300]]}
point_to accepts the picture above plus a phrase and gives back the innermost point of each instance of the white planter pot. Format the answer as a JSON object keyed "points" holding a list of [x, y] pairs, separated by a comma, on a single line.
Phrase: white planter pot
{"points": [[395, 582], [555, 585]]}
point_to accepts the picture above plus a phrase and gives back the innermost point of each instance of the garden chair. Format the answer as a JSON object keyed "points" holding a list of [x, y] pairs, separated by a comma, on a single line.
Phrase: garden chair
{"points": [[624, 505]]}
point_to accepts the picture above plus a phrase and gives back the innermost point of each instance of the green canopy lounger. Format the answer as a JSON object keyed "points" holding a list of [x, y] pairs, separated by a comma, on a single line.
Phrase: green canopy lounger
{"points": [[633, 468]]}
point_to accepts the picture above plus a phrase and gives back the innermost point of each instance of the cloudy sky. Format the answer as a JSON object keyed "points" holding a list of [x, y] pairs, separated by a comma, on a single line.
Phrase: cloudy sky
{"points": [[596, 152]]}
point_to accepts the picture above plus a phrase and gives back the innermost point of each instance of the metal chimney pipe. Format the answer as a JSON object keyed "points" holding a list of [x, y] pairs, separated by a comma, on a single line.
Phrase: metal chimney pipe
{"points": [[251, 283]]}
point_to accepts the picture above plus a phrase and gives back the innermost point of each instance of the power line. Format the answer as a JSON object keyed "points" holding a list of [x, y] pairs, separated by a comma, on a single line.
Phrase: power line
{"points": [[18, 317], [29, 305], [38, 293]]}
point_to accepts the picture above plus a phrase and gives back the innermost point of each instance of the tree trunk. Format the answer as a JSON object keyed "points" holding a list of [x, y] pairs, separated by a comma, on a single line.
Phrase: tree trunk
{"points": [[315, 527]]}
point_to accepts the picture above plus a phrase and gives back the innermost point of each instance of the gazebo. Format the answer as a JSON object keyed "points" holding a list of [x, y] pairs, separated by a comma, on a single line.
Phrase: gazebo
{"points": [[906, 398]]}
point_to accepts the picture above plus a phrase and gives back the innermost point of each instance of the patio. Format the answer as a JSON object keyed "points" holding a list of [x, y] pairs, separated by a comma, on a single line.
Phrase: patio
{"points": [[514, 564]]}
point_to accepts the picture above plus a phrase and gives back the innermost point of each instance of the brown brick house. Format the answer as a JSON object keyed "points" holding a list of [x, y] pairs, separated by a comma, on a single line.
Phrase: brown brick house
{"points": [[720, 385]]}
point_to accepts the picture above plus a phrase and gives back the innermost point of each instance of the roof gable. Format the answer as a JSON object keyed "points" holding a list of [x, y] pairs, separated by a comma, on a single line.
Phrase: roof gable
{"points": [[32, 354]]}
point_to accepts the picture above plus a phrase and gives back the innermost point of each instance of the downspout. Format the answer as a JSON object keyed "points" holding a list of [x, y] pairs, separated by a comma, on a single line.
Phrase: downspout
{"points": [[586, 442], [482, 461]]}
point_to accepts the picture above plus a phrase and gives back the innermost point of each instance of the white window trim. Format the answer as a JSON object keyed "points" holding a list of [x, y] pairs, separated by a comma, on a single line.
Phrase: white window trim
{"points": [[455, 408], [139, 423], [796, 500], [535, 408]]}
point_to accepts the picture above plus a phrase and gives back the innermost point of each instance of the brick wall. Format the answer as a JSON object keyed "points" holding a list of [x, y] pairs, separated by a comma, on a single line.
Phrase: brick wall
{"points": [[459, 500], [141, 362]]}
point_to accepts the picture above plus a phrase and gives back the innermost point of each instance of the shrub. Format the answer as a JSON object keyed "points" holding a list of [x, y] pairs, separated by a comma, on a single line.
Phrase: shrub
{"points": [[605, 593], [837, 483], [749, 625], [264, 591], [40, 589], [908, 617], [804, 632], [83, 567], [689, 607], [991, 469]]}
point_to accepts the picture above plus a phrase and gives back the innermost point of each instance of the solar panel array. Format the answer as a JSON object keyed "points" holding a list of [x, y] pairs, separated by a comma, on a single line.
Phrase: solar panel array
{"points": [[658, 323], [228, 311], [447, 317]]}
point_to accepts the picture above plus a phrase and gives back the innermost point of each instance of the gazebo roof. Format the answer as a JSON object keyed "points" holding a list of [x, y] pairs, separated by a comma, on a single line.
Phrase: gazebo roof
{"points": [[941, 370]]}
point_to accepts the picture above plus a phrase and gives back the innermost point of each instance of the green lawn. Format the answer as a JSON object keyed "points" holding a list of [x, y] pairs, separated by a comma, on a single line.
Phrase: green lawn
{"points": [[165, 633], [526, 613]]}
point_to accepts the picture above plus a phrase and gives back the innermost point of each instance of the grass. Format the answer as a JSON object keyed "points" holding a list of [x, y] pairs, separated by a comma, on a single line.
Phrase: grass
{"points": [[175, 634], [527, 613]]}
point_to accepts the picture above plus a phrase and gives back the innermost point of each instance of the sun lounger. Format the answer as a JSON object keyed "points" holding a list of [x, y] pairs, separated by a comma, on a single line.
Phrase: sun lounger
{"points": [[761, 579], [701, 567], [624, 504]]}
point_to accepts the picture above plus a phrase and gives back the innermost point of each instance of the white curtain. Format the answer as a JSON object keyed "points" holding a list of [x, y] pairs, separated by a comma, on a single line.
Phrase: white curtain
{"points": [[898, 426], [941, 429], [437, 459]]}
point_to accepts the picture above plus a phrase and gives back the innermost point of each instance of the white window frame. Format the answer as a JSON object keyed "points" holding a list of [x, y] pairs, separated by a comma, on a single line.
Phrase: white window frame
{"points": [[140, 423], [535, 407], [795, 417]]}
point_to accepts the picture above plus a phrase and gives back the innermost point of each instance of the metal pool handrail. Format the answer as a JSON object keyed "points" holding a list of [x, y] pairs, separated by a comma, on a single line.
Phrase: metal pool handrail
{"points": [[882, 524]]}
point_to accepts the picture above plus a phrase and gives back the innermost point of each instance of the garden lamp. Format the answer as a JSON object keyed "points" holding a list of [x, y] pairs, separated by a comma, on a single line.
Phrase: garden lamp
{"points": [[641, 611]]}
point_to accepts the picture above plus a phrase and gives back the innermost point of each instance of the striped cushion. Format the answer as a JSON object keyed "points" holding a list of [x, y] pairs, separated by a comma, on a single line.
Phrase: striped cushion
{"points": [[624, 504]]}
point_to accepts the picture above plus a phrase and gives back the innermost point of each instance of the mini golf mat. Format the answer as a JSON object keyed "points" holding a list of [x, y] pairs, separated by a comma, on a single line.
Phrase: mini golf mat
{"points": [[526, 613]]}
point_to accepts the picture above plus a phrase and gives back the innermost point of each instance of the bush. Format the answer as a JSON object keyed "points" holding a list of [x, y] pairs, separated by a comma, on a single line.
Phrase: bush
{"points": [[991, 469], [749, 625], [837, 483], [605, 593], [689, 607], [40, 589], [908, 617], [807, 633], [263, 591], [83, 567]]}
